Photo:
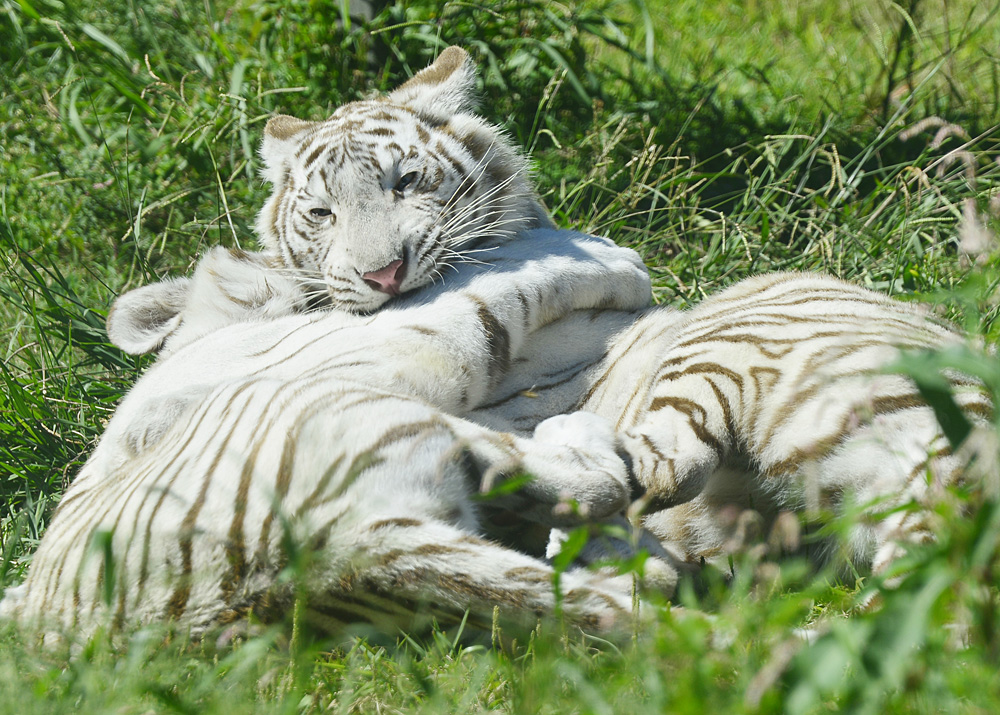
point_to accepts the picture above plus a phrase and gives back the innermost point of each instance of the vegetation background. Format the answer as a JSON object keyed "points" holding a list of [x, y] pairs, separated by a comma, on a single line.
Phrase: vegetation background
{"points": [[720, 139]]}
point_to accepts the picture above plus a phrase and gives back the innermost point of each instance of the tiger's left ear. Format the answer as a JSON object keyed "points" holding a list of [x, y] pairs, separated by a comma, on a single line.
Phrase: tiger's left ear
{"points": [[142, 319], [280, 143], [441, 90]]}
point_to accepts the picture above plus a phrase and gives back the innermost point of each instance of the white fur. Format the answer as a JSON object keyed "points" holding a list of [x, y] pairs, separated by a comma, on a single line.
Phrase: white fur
{"points": [[297, 408]]}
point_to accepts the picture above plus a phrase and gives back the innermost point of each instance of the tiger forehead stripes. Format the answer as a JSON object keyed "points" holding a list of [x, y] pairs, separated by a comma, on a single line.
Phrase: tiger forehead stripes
{"points": [[387, 193]]}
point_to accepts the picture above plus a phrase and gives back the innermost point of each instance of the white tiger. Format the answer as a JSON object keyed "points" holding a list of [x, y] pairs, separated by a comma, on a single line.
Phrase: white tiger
{"points": [[335, 432], [766, 397], [772, 396], [762, 396]]}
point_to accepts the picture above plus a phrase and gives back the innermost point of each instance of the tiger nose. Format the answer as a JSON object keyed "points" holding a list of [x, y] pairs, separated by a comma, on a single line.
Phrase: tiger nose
{"points": [[387, 279]]}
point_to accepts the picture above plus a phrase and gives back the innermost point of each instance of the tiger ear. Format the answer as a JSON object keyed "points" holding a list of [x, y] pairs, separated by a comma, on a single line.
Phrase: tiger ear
{"points": [[279, 144], [441, 90], [142, 319]]}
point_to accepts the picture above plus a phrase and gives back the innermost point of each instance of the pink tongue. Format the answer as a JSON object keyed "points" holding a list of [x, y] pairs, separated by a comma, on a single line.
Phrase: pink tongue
{"points": [[387, 280]]}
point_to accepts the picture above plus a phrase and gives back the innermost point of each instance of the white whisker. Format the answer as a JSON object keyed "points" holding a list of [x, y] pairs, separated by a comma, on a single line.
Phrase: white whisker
{"points": [[469, 179], [480, 202]]}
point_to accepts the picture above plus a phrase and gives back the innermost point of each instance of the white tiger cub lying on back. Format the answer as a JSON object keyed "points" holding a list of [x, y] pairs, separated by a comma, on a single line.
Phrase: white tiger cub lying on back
{"points": [[335, 431]]}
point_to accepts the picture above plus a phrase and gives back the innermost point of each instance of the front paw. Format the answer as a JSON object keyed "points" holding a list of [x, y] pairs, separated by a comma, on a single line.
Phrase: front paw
{"points": [[590, 439], [583, 430]]}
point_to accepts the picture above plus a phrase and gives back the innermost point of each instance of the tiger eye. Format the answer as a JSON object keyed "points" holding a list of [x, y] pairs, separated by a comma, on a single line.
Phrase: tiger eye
{"points": [[405, 181], [322, 213]]}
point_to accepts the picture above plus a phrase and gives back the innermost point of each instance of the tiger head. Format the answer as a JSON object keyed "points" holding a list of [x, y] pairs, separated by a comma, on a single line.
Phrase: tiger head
{"points": [[388, 192]]}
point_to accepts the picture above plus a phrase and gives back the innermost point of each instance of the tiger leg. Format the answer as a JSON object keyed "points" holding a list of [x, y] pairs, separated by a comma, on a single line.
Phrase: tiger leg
{"points": [[409, 565], [575, 476], [674, 450], [465, 339], [894, 470], [571, 463]]}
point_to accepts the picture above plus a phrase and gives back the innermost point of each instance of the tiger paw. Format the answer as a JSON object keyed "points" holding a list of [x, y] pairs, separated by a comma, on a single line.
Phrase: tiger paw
{"points": [[614, 546], [583, 430], [579, 456]]}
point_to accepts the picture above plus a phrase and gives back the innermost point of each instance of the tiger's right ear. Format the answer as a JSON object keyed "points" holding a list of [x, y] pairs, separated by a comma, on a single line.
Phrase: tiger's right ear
{"points": [[279, 144], [142, 319]]}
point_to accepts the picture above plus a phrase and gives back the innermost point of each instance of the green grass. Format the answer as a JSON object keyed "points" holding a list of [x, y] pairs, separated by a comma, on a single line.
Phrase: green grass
{"points": [[719, 139]]}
